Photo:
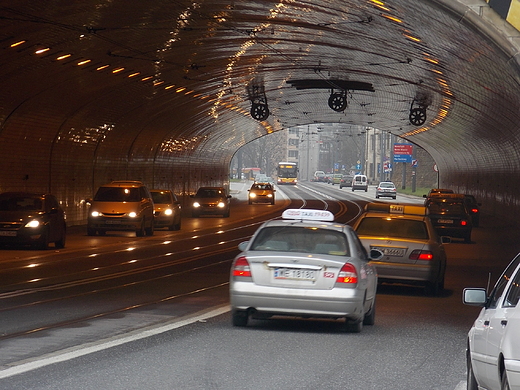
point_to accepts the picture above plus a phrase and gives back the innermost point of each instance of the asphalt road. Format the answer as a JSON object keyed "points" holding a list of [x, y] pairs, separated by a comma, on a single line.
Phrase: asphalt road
{"points": [[187, 342]]}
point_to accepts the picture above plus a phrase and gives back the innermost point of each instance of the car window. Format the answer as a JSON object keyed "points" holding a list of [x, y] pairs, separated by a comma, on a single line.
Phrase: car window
{"points": [[511, 299], [500, 285], [446, 208], [301, 239], [20, 203], [209, 193], [117, 194], [161, 197], [393, 227]]}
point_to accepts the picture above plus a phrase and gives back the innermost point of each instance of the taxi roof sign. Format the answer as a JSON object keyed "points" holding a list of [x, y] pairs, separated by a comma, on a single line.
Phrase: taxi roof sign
{"points": [[396, 208], [308, 214]]}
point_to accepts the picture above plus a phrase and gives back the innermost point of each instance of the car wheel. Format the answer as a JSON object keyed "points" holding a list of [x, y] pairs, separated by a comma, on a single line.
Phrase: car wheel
{"points": [[370, 317], [240, 317], [226, 214], [150, 229], [91, 232], [366, 189], [471, 380], [504, 384], [140, 232], [177, 226], [60, 244], [352, 189], [353, 326], [377, 196], [433, 288], [272, 202]]}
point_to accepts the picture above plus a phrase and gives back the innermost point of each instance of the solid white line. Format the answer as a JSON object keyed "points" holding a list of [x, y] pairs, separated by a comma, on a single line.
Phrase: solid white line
{"points": [[86, 349]]}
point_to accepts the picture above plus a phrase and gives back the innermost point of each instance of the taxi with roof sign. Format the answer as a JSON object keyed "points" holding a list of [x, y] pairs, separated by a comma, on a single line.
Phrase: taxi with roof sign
{"points": [[413, 252], [304, 265]]}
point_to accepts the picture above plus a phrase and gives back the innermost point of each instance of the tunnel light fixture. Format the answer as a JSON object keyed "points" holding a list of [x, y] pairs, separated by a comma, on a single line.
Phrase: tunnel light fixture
{"points": [[134, 74], [117, 70], [18, 43], [41, 51], [392, 18], [83, 62], [102, 67], [60, 58], [147, 78]]}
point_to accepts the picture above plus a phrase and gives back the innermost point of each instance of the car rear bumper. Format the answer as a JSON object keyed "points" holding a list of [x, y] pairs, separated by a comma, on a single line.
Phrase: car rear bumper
{"points": [[335, 303], [405, 272]]}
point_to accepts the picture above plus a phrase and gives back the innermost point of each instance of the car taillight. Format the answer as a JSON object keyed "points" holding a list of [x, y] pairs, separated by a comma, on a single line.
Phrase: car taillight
{"points": [[242, 268], [463, 222], [418, 254], [474, 211], [347, 274]]}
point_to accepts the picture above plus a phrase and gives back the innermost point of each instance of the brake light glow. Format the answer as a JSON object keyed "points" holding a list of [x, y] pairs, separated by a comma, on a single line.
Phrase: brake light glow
{"points": [[347, 274], [242, 268], [463, 222], [418, 254], [474, 210]]}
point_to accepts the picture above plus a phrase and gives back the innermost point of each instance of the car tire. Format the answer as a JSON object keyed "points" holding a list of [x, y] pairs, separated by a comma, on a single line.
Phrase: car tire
{"points": [[467, 238], [272, 202], [176, 226], [370, 317], [60, 244], [239, 318], [504, 383], [150, 230], [140, 232], [366, 189], [471, 380], [91, 232], [377, 196], [353, 326], [226, 214], [434, 288]]}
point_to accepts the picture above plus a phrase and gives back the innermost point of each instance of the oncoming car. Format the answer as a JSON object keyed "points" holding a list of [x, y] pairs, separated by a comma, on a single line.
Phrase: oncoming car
{"points": [[167, 209], [305, 266], [121, 206], [210, 200], [31, 218], [413, 252], [493, 346], [261, 192]]}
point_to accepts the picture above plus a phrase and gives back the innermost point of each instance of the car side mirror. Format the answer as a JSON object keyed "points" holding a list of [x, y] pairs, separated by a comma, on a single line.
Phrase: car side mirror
{"points": [[474, 296], [243, 245]]}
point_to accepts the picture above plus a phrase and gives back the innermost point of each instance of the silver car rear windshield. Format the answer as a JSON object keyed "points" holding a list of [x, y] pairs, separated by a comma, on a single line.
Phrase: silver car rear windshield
{"points": [[394, 227], [301, 239]]}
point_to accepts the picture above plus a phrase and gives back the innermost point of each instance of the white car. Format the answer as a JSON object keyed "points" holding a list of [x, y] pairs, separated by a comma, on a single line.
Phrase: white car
{"points": [[304, 266], [493, 350]]}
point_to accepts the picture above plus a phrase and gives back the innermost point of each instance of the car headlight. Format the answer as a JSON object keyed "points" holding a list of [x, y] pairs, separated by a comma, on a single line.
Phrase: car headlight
{"points": [[269, 195], [252, 195], [32, 224], [168, 212], [196, 204], [221, 204], [132, 214], [95, 214]]}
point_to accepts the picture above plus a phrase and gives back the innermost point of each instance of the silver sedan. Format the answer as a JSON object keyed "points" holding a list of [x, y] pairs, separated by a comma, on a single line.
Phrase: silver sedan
{"points": [[305, 266]]}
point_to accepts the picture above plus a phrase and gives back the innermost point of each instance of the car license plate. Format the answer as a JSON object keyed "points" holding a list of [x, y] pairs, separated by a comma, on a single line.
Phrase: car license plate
{"points": [[399, 252], [445, 221], [8, 233], [113, 221], [294, 274]]}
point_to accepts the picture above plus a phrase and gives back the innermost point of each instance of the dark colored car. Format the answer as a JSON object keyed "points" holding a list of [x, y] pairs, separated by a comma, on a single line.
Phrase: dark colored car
{"points": [[450, 217], [210, 200], [31, 218], [346, 181], [474, 209]]}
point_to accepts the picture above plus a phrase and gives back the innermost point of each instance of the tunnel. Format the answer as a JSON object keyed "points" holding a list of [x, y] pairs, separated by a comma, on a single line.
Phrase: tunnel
{"points": [[167, 91]]}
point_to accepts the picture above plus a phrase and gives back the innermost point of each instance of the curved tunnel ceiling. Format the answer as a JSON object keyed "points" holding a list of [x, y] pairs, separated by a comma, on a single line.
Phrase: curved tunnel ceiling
{"points": [[147, 80]]}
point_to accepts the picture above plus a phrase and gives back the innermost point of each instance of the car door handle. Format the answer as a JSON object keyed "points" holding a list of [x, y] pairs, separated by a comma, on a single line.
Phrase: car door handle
{"points": [[503, 322]]}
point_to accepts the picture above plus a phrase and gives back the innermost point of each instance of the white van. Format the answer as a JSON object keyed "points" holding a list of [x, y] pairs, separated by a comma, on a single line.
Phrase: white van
{"points": [[360, 182]]}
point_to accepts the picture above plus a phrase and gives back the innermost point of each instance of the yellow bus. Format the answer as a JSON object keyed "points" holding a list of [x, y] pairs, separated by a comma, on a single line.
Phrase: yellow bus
{"points": [[287, 173]]}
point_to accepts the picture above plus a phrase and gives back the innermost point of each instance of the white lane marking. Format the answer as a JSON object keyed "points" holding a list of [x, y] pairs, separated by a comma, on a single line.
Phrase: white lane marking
{"points": [[82, 350]]}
